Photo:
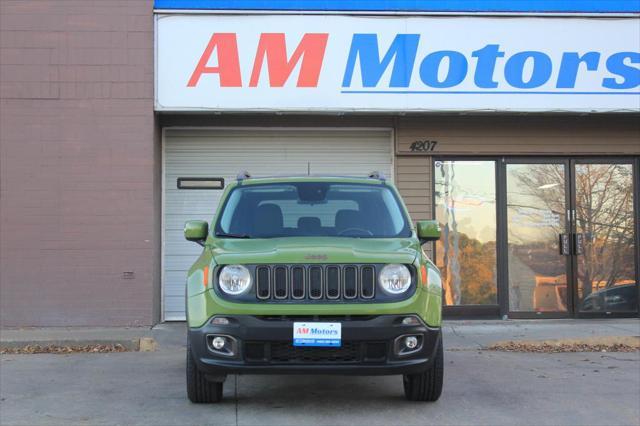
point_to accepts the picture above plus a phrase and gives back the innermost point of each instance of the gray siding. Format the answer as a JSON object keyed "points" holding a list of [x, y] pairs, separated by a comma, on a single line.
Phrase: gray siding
{"points": [[413, 179], [543, 135]]}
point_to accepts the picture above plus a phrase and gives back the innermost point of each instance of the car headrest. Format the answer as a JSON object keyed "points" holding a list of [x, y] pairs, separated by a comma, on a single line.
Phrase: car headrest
{"points": [[309, 224], [348, 219], [267, 220]]}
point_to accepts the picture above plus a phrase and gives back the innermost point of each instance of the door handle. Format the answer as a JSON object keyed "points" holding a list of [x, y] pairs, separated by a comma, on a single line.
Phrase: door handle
{"points": [[578, 243], [565, 244]]}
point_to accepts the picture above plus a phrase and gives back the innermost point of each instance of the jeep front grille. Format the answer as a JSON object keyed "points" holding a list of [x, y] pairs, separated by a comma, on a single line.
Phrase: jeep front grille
{"points": [[315, 282]]}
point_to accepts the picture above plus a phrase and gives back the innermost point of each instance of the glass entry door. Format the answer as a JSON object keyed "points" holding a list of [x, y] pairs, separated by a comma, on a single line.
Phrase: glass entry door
{"points": [[570, 237], [604, 230], [538, 237]]}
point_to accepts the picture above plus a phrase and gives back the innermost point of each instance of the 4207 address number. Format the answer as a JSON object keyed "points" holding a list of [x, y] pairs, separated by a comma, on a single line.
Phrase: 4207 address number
{"points": [[423, 146]]}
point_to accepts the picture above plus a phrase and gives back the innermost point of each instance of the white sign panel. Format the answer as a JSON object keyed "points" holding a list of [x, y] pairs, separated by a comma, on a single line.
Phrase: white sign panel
{"points": [[359, 63]]}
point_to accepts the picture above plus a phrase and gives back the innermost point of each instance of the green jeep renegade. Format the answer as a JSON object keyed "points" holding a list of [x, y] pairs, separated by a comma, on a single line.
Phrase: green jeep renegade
{"points": [[309, 275]]}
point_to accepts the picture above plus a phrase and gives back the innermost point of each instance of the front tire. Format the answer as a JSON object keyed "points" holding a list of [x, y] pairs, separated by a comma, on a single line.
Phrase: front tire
{"points": [[199, 389], [426, 386]]}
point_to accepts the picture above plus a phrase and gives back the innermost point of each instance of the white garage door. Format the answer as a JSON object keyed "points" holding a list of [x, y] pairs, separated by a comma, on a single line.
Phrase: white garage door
{"points": [[263, 152]]}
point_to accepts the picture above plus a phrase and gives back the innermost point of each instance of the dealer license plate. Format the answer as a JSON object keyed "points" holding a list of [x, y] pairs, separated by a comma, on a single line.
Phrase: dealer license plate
{"points": [[317, 334]]}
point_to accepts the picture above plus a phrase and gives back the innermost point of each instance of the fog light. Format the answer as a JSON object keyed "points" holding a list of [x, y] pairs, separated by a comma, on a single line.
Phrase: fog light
{"points": [[410, 321], [218, 342], [411, 342], [220, 321]]}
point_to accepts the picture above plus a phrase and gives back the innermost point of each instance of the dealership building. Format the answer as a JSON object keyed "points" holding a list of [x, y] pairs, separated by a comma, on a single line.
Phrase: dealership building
{"points": [[515, 124]]}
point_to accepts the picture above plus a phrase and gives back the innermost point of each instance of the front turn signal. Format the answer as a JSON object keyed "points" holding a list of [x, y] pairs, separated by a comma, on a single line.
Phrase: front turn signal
{"points": [[205, 276], [423, 275]]}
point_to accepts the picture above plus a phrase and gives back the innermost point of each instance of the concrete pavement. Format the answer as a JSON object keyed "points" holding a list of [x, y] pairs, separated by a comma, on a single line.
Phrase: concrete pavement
{"points": [[481, 387]]}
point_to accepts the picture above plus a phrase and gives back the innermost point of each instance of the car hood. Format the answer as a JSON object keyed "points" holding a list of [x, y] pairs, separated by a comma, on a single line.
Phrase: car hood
{"points": [[315, 250]]}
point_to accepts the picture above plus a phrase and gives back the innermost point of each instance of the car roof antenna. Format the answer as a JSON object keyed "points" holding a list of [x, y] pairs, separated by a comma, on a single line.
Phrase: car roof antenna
{"points": [[243, 175], [308, 168], [377, 175]]}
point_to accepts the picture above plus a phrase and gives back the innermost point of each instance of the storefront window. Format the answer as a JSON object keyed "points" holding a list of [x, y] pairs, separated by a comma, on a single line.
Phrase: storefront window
{"points": [[465, 196]]}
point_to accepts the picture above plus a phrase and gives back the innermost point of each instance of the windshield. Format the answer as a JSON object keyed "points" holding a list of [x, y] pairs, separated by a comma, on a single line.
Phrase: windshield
{"points": [[312, 209]]}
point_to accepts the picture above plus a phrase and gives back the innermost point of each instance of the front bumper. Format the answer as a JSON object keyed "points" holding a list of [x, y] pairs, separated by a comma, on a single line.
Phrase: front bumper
{"points": [[263, 345]]}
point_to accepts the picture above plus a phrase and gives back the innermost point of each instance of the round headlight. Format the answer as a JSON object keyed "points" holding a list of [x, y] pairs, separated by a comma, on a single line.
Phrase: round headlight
{"points": [[234, 280], [395, 279]]}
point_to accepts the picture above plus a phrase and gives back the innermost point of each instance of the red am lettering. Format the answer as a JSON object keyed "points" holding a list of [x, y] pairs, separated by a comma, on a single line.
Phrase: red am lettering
{"points": [[226, 47], [272, 46]]}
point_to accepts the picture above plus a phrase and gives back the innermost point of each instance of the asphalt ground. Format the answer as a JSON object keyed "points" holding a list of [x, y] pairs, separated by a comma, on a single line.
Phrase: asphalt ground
{"points": [[481, 388]]}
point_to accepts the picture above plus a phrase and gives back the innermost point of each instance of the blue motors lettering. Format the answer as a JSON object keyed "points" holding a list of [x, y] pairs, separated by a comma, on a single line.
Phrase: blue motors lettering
{"points": [[446, 69], [318, 331]]}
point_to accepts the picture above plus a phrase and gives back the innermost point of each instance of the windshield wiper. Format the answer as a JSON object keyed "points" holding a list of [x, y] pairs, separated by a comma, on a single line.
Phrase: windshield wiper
{"points": [[225, 235]]}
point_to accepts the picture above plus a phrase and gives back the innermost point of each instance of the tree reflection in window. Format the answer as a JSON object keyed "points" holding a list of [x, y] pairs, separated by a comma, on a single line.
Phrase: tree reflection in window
{"points": [[535, 218], [604, 217], [465, 197]]}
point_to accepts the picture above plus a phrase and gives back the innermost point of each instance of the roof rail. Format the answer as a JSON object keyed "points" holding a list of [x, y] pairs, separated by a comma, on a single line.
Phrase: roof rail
{"points": [[243, 175], [377, 175]]}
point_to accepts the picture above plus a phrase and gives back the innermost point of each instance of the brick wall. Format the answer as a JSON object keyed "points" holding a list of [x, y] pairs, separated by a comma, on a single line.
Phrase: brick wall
{"points": [[78, 163]]}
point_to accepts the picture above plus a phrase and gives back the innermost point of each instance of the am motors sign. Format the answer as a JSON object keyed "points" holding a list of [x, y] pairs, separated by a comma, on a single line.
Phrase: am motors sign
{"points": [[312, 63]]}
